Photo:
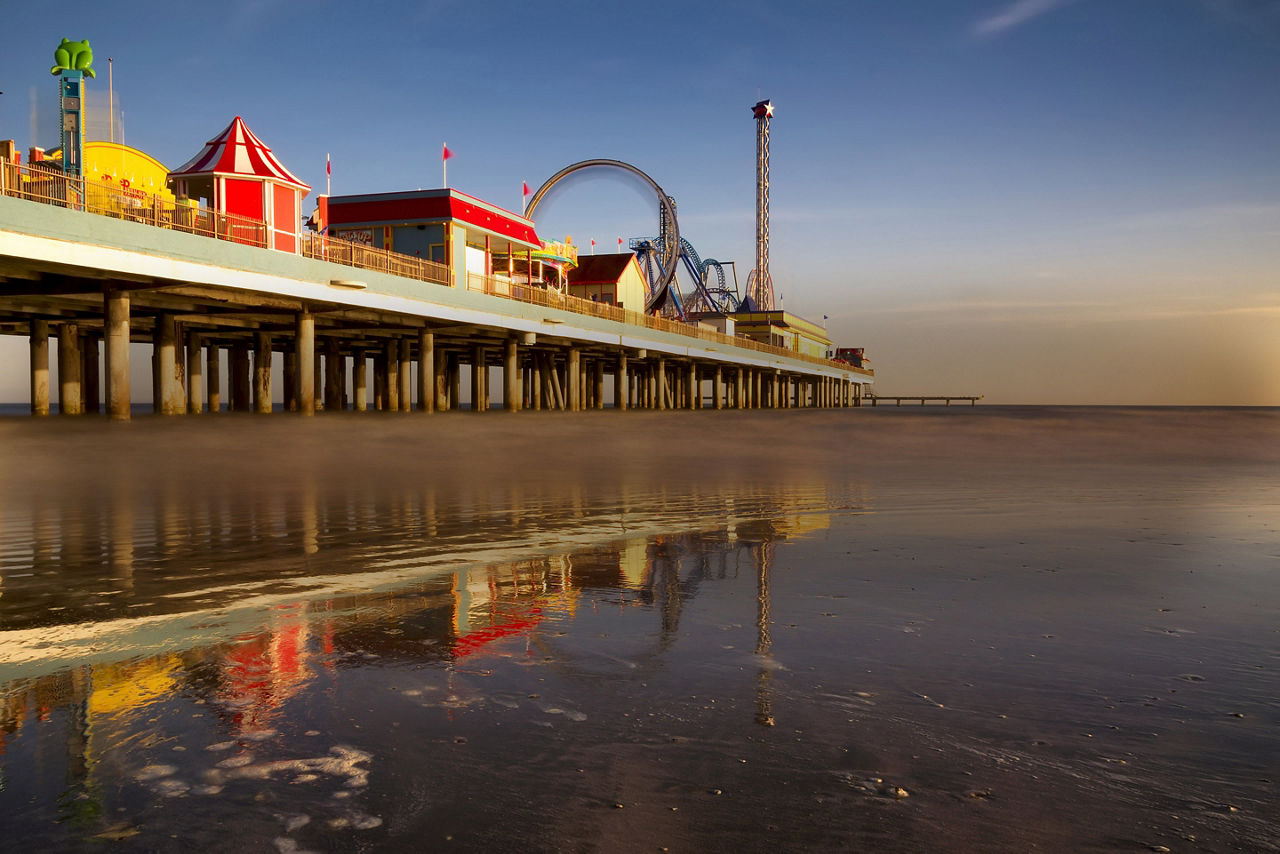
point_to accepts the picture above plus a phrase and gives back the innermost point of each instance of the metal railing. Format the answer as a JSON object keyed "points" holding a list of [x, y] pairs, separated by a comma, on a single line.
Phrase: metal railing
{"points": [[48, 185], [347, 253], [554, 299]]}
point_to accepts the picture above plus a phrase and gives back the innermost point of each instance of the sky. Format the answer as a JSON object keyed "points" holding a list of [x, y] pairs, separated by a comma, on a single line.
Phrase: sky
{"points": [[1039, 201]]}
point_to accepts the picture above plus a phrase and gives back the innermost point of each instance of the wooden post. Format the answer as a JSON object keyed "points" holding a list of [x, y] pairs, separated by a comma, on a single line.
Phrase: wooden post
{"points": [[89, 373], [262, 373], [69, 390], [380, 381], [406, 376], [305, 347], [598, 394], [240, 383], [442, 381], [318, 377], [479, 392], [717, 388], [574, 379], [620, 384], [290, 376], [213, 376], [555, 394], [359, 381], [662, 383], [40, 366], [332, 375], [195, 375], [538, 374], [426, 371], [455, 381], [117, 357], [392, 370], [165, 366], [511, 375]]}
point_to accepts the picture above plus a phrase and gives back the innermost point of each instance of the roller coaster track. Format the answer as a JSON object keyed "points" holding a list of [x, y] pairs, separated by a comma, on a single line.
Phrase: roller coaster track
{"points": [[661, 290], [703, 297]]}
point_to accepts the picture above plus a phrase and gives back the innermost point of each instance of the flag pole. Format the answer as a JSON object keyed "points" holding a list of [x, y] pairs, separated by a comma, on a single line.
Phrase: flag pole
{"points": [[328, 174], [444, 164], [111, 98]]}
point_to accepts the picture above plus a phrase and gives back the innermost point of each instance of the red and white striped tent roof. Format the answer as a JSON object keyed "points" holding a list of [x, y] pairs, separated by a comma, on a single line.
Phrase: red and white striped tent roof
{"points": [[238, 151]]}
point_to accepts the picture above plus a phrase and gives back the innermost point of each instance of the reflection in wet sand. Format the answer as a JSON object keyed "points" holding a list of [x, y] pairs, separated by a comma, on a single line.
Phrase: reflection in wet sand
{"points": [[245, 684], [988, 632], [135, 569]]}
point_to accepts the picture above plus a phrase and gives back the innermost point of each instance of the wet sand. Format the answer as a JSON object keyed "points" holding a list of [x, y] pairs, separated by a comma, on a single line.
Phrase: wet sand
{"points": [[966, 630]]}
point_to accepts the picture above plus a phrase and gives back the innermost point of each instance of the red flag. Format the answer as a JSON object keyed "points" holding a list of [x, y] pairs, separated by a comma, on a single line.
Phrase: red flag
{"points": [[593, 241], [524, 188], [619, 244], [445, 153], [328, 167]]}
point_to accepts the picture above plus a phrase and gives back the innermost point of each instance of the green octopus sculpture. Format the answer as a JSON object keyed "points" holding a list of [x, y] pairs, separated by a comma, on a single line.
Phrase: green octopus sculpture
{"points": [[73, 56]]}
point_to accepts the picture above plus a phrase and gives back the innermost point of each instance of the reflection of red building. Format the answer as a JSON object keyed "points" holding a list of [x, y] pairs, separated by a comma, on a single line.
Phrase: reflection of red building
{"points": [[499, 603], [261, 673]]}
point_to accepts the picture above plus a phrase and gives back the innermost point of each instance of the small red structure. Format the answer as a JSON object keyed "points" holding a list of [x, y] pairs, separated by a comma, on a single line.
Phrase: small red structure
{"points": [[237, 174]]}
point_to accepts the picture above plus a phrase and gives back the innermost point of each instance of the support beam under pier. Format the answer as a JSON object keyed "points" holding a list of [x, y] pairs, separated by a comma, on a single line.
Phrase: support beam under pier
{"points": [[117, 355]]}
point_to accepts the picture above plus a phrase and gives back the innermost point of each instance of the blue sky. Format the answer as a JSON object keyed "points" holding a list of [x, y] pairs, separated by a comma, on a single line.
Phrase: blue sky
{"points": [[1039, 200]]}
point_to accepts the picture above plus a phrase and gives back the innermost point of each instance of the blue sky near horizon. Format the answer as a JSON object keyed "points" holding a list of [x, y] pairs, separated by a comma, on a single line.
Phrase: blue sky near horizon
{"points": [[1039, 200]]}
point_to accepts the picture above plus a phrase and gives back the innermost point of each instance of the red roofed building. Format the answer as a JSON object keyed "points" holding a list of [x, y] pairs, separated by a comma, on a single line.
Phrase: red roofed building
{"points": [[615, 279], [236, 174], [443, 225]]}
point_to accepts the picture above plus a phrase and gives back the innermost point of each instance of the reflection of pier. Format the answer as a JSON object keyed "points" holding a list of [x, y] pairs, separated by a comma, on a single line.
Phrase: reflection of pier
{"points": [[109, 573], [451, 619]]}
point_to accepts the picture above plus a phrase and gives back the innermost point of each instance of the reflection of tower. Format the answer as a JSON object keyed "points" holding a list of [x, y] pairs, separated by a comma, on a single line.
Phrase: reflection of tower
{"points": [[760, 283], [764, 643]]}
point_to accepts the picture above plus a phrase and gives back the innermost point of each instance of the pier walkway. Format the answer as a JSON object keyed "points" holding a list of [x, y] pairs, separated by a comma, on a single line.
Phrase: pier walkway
{"points": [[97, 275], [945, 400]]}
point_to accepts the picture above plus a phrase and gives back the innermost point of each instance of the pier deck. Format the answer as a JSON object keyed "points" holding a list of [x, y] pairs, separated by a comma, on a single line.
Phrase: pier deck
{"points": [[94, 281]]}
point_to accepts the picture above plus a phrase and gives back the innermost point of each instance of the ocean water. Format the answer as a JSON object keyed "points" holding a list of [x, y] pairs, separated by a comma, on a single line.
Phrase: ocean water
{"points": [[990, 629]]}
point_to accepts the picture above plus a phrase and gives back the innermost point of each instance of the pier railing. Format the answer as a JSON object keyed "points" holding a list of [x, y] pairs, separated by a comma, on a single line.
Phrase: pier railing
{"points": [[551, 298], [48, 185], [351, 254]]}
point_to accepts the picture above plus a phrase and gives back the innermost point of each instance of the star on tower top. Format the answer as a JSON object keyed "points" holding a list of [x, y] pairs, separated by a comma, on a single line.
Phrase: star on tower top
{"points": [[764, 109]]}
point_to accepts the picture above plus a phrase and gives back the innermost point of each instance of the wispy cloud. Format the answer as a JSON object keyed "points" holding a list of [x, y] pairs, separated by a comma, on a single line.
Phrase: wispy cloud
{"points": [[1263, 16], [1015, 15]]}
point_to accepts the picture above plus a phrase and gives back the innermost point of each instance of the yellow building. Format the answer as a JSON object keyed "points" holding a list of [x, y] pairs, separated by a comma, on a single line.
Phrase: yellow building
{"points": [[615, 279], [783, 329], [126, 171]]}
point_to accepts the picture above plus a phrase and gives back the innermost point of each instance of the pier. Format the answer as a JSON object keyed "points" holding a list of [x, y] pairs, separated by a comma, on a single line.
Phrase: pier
{"points": [[97, 272], [945, 400]]}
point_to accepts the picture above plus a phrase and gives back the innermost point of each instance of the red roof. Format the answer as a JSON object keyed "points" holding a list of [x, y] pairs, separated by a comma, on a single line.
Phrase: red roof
{"points": [[601, 269], [238, 151], [431, 206]]}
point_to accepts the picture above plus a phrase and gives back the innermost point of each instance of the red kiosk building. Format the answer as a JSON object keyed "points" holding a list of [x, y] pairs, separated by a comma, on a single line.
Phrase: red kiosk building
{"points": [[236, 174], [446, 226]]}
